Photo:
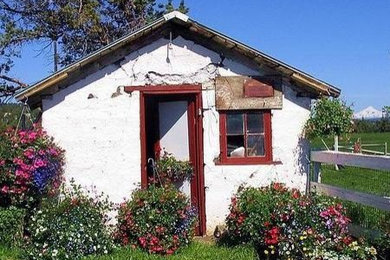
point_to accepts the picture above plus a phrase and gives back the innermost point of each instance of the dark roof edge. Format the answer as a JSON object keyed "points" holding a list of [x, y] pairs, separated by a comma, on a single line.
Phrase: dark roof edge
{"points": [[63, 73]]}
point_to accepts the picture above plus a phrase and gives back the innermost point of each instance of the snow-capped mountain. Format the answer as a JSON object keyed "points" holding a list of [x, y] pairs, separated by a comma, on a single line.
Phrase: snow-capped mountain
{"points": [[368, 113]]}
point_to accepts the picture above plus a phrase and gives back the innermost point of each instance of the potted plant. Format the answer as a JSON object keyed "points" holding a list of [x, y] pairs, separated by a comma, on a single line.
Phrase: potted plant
{"points": [[171, 170]]}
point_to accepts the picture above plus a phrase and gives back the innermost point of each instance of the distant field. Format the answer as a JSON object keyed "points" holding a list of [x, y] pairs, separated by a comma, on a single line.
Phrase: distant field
{"points": [[365, 138]]}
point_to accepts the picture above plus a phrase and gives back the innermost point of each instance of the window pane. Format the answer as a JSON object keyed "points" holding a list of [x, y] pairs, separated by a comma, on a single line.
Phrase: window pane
{"points": [[234, 124], [235, 146], [255, 145], [255, 123]]}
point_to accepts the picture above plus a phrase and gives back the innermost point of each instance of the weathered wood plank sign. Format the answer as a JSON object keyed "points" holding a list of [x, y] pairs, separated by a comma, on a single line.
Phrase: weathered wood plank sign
{"points": [[241, 92]]}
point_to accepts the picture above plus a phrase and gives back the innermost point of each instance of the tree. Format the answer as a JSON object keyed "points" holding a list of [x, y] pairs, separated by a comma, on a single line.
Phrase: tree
{"points": [[329, 117], [69, 28], [386, 111]]}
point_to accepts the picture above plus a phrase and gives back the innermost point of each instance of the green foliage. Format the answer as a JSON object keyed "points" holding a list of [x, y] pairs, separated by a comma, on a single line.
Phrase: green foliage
{"points": [[283, 224], [330, 116], [386, 111], [70, 227], [157, 219], [10, 253], [195, 251], [372, 126], [171, 170], [74, 28], [11, 226], [11, 113]]}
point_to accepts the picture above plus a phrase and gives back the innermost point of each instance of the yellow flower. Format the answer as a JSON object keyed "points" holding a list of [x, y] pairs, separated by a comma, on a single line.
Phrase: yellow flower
{"points": [[372, 250], [266, 252]]}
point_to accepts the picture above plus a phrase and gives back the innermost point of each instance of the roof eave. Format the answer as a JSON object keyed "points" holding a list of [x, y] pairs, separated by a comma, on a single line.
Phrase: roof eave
{"points": [[300, 76]]}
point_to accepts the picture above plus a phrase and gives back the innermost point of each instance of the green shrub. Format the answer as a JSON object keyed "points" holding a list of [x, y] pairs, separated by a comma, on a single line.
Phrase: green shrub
{"points": [[70, 227], [11, 226], [157, 220], [284, 224]]}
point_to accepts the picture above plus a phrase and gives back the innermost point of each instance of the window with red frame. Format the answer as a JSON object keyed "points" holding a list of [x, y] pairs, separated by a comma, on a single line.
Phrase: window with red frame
{"points": [[245, 137]]}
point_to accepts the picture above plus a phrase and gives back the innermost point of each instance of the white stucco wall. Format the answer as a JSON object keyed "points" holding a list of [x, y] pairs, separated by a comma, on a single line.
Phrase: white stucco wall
{"points": [[101, 134]]}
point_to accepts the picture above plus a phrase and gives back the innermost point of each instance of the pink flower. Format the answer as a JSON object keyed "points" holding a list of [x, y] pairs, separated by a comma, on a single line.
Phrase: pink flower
{"points": [[32, 136], [39, 163], [5, 189], [18, 173], [22, 134], [29, 153], [22, 174], [2, 162], [26, 167], [53, 151], [18, 161]]}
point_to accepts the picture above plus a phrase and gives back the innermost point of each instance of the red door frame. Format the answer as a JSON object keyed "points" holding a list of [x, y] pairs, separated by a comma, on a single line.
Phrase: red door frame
{"points": [[195, 134]]}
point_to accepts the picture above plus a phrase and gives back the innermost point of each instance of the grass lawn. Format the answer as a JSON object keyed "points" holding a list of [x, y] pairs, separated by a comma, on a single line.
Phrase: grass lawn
{"points": [[359, 179], [197, 250], [365, 138], [364, 180], [7, 253]]}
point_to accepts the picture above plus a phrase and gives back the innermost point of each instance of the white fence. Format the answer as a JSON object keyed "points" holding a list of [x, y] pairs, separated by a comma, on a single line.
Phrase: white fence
{"points": [[349, 159]]}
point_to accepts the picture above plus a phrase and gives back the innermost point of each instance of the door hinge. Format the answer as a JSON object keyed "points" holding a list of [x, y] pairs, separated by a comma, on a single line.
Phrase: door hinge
{"points": [[199, 112]]}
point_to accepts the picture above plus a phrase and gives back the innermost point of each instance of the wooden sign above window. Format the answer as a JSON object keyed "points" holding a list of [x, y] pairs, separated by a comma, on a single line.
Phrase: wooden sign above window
{"points": [[241, 92]]}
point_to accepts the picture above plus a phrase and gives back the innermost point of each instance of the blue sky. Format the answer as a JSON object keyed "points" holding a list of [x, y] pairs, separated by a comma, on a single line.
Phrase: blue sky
{"points": [[343, 42]]}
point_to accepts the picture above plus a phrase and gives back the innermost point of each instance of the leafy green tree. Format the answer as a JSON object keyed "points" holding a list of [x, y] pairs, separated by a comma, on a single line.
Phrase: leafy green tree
{"points": [[70, 29], [329, 117]]}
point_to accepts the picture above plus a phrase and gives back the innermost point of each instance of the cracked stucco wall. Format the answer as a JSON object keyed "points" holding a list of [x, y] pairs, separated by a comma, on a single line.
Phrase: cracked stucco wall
{"points": [[101, 133]]}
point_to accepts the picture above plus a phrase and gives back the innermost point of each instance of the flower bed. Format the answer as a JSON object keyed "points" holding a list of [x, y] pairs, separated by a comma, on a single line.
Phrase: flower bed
{"points": [[30, 167], [70, 227], [284, 224], [157, 220]]}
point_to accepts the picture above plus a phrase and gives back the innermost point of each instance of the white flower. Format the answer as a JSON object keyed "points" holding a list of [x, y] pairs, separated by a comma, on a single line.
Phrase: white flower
{"points": [[55, 252]]}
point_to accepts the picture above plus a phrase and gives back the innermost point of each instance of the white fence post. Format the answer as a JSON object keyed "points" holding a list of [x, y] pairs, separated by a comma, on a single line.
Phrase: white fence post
{"points": [[336, 148], [317, 172]]}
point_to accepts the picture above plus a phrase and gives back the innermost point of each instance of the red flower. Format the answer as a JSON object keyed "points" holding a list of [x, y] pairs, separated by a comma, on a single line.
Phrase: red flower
{"points": [[347, 240], [296, 194], [272, 236]]}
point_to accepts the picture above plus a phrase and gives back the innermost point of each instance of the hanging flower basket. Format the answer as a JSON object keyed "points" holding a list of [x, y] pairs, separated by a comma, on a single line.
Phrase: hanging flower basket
{"points": [[31, 166], [171, 170]]}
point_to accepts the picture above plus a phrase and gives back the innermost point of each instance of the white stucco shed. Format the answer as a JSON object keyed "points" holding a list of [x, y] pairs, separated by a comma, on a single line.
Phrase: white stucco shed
{"points": [[102, 111]]}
